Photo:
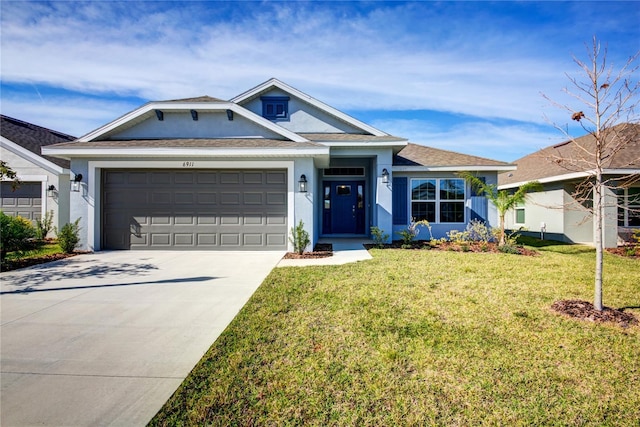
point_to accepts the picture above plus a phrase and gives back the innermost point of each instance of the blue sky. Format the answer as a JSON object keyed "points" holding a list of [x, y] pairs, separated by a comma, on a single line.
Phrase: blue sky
{"points": [[463, 76]]}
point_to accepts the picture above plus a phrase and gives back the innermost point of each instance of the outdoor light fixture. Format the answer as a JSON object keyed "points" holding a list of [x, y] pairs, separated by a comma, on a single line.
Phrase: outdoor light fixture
{"points": [[194, 115], [230, 115], [385, 176], [302, 183], [160, 115], [51, 190], [75, 184]]}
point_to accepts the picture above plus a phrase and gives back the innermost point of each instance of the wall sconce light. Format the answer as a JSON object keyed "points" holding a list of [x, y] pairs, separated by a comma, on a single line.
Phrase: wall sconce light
{"points": [[385, 176], [75, 184], [302, 184], [194, 115], [160, 115], [230, 115], [51, 190]]}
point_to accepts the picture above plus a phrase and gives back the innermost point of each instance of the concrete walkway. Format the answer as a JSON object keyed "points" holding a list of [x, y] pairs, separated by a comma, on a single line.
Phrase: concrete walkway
{"points": [[106, 338], [344, 251]]}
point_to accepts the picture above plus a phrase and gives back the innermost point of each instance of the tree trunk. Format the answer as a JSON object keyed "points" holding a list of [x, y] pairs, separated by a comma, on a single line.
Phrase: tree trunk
{"points": [[502, 240], [598, 210]]}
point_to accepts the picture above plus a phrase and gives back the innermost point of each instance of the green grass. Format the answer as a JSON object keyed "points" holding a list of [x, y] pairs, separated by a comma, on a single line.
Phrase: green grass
{"points": [[44, 250], [423, 338]]}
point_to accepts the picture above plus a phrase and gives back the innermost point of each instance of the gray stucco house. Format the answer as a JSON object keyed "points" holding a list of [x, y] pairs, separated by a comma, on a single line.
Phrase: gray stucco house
{"points": [[566, 217], [45, 179], [207, 174]]}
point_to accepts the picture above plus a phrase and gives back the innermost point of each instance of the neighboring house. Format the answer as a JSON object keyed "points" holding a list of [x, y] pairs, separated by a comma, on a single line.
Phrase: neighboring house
{"points": [[45, 179], [203, 173], [557, 211]]}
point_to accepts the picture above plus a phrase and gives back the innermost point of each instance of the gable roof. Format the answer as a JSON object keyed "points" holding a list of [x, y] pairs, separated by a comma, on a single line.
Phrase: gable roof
{"points": [[275, 83], [204, 103], [33, 137], [571, 159], [422, 158]]}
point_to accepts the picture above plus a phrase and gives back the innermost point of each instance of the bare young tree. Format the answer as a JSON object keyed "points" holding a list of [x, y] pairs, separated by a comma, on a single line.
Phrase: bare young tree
{"points": [[607, 112]]}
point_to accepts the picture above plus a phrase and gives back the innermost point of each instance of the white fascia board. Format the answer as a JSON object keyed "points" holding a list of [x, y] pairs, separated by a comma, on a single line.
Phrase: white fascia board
{"points": [[32, 157], [188, 152], [316, 103], [186, 106], [453, 168], [570, 176], [361, 144]]}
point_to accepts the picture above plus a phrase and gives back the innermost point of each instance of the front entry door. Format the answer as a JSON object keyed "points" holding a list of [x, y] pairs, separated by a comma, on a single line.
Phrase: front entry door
{"points": [[343, 208]]}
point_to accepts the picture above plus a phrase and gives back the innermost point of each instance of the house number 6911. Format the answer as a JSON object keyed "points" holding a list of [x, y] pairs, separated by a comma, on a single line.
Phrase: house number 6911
{"points": [[188, 164]]}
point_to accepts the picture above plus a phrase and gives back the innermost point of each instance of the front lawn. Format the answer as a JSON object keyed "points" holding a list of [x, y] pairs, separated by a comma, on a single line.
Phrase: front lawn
{"points": [[423, 338], [49, 251]]}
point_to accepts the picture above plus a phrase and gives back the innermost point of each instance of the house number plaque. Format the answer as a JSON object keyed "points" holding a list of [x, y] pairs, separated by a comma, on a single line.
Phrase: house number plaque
{"points": [[188, 164]]}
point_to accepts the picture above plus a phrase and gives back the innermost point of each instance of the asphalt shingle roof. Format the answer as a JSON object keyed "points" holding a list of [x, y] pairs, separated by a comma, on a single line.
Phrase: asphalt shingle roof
{"points": [[420, 155], [33, 137], [574, 156]]}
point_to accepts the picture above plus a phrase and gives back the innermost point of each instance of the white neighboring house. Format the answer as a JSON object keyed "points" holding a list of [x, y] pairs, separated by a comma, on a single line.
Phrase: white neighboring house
{"points": [[45, 179], [208, 174], [555, 209]]}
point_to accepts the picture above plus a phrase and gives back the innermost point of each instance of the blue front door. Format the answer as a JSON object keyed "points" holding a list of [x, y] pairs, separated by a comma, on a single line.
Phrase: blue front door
{"points": [[344, 207]]}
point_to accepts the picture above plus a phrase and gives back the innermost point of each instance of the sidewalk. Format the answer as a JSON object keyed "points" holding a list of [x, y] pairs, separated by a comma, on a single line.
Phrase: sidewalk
{"points": [[344, 252]]}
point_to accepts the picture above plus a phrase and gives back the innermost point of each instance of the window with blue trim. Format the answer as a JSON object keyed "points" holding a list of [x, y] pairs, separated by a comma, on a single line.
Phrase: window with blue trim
{"points": [[275, 107]]}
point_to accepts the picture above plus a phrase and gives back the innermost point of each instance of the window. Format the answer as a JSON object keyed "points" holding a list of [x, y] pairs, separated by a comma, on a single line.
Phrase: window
{"points": [[629, 207], [441, 199], [343, 190], [275, 107], [520, 213]]}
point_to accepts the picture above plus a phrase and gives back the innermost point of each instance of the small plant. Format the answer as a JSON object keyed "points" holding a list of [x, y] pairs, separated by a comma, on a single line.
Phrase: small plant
{"points": [[479, 232], [458, 237], [510, 245], [299, 238], [17, 234], [412, 231], [68, 237], [379, 236], [44, 225]]}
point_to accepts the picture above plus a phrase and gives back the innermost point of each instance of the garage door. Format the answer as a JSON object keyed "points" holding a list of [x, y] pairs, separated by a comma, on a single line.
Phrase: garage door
{"points": [[25, 201], [195, 209]]}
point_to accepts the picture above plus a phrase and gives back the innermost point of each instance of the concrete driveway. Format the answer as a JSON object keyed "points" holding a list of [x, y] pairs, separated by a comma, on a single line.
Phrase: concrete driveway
{"points": [[106, 338]]}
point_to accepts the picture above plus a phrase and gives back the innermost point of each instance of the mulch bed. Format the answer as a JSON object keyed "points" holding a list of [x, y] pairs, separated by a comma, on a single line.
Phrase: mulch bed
{"points": [[476, 247], [9, 265], [626, 251], [584, 310], [321, 250]]}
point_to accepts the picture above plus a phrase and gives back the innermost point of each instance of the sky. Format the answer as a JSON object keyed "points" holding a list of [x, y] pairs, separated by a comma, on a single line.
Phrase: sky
{"points": [[462, 76]]}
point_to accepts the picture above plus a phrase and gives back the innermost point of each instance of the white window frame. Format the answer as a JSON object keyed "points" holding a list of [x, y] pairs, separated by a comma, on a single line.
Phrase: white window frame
{"points": [[437, 200], [623, 200], [520, 206]]}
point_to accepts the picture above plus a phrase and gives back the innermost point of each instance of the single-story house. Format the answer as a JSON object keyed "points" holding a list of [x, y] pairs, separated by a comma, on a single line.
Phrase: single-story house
{"points": [[206, 174], [561, 210], [45, 179]]}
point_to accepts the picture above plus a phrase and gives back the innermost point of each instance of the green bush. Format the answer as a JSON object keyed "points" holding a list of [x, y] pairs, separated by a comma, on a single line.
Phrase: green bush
{"points": [[16, 233], [44, 225], [379, 236], [68, 237], [299, 238]]}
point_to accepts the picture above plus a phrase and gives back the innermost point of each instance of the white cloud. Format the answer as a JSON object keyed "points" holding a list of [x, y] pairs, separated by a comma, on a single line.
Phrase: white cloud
{"points": [[506, 142]]}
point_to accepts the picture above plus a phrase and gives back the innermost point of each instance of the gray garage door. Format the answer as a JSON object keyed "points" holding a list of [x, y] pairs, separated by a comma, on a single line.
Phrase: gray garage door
{"points": [[195, 209], [25, 201]]}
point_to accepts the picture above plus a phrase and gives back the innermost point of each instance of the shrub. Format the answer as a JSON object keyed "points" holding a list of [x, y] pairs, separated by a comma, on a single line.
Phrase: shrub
{"points": [[16, 233], [68, 236], [44, 225], [479, 232], [379, 236], [299, 238], [457, 236], [412, 231]]}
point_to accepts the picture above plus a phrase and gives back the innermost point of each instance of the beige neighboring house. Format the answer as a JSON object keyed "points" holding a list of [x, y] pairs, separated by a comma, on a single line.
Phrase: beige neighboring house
{"points": [[45, 179], [556, 211]]}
